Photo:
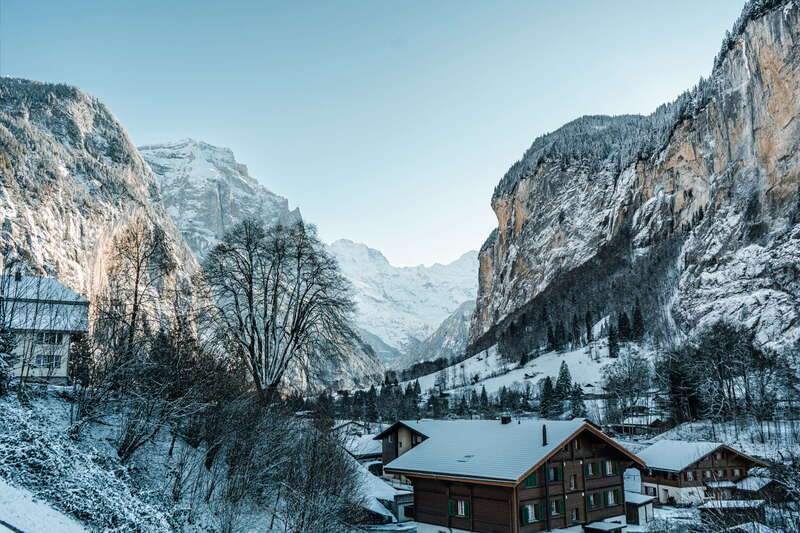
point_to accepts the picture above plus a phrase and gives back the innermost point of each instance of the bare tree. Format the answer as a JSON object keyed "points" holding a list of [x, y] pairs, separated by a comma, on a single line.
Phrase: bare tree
{"points": [[628, 381], [281, 301]]}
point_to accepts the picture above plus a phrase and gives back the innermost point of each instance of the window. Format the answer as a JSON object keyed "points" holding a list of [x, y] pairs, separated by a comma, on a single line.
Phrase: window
{"points": [[390, 438], [47, 360], [577, 444], [737, 472], [720, 473], [555, 473], [589, 469], [610, 468], [556, 507], [593, 500], [416, 439], [575, 515], [573, 481], [530, 513], [689, 476], [458, 508], [612, 497], [718, 455], [400, 444], [650, 491], [532, 480], [49, 338], [707, 474]]}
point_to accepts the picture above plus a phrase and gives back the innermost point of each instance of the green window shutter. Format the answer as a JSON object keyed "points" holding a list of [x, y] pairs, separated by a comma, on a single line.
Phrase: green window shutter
{"points": [[561, 473], [586, 469], [618, 496], [605, 498], [532, 480], [541, 511], [524, 518], [466, 509], [451, 507]]}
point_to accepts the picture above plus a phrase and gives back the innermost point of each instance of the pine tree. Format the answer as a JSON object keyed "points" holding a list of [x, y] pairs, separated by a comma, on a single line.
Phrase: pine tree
{"points": [[523, 359], [563, 385], [576, 332], [613, 342], [551, 339], [637, 329], [560, 335], [624, 327], [371, 405], [417, 388], [546, 400], [577, 406], [588, 327], [484, 399], [7, 359]]}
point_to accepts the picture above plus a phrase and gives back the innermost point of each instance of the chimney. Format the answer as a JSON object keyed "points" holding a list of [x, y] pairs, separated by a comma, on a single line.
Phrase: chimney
{"points": [[505, 419], [544, 434]]}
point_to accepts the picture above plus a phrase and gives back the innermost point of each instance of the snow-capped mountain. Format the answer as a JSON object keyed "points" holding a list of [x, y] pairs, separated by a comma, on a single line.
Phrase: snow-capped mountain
{"points": [[449, 339], [71, 178], [692, 212], [206, 191], [404, 305]]}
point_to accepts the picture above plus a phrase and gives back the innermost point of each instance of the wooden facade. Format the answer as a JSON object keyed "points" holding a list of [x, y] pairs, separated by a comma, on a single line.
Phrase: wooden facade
{"points": [[581, 482], [721, 465]]}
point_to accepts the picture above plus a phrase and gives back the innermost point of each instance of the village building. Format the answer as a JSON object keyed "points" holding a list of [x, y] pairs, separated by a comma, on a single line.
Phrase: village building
{"points": [[44, 316], [638, 508], [509, 476], [689, 473], [729, 513]]}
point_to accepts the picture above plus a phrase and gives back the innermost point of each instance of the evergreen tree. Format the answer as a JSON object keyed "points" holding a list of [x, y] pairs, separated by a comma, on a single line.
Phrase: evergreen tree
{"points": [[484, 399], [560, 335], [577, 406], [613, 342], [7, 359], [417, 388], [546, 399], [588, 320], [576, 332], [637, 329], [523, 359], [371, 405], [563, 385], [551, 339], [624, 330]]}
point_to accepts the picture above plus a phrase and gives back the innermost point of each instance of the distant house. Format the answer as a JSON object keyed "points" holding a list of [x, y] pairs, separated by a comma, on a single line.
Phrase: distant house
{"points": [[691, 472], [729, 513], [638, 508], [44, 317], [509, 476], [639, 425], [760, 486]]}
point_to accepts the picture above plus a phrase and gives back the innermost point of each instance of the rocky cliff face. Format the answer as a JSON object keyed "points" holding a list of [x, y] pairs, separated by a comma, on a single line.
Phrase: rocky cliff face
{"points": [[448, 340], [207, 192], [404, 305], [71, 178], [693, 211]]}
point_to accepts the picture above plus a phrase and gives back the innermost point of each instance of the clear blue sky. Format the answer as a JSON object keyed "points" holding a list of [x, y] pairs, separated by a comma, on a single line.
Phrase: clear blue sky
{"points": [[386, 122]]}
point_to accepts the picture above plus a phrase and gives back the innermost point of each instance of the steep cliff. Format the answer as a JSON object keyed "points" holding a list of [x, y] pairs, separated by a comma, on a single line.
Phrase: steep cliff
{"points": [[448, 340], [207, 192], [692, 211], [70, 179]]}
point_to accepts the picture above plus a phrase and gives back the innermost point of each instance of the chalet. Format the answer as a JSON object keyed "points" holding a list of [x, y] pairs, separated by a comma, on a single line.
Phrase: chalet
{"points": [[44, 316], [509, 476], [691, 472], [760, 486]]}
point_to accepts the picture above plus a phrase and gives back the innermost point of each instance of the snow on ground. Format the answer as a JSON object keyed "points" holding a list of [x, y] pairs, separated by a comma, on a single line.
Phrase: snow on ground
{"points": [[585, 366], [20, 509]]}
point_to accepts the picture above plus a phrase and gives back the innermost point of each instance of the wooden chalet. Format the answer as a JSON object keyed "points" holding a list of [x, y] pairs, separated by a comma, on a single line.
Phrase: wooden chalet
{"points": [[690, 473], [510, 476]]}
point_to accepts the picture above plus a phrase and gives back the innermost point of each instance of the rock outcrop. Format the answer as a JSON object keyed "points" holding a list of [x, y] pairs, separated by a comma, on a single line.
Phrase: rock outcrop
{"points": [[693, 211]]}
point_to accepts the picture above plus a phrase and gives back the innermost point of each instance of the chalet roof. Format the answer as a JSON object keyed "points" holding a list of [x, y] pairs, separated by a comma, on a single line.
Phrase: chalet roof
{"points": [[41, 304], [753, 483], [362, 446], [677, 455], [637, 499], [732, 504], [486, 449]]}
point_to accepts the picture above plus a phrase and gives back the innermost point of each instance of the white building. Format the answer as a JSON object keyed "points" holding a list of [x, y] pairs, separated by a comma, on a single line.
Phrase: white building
{"points": [[44, 316]]}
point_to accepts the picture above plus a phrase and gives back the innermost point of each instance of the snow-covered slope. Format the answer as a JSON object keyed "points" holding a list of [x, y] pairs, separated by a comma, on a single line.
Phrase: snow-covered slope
{"points": [[401, 304], [22, 510], [449, 339], [206, 191]]}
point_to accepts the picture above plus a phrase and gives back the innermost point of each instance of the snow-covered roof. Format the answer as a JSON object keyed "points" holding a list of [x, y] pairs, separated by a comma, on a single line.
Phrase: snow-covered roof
{"points": [[374, 490], [721, 484], [642, 420], [486, 449], [732, 504], [637, 499], [604, 526], [753, 483], [41, 304], [675, 455], [363, 446]]}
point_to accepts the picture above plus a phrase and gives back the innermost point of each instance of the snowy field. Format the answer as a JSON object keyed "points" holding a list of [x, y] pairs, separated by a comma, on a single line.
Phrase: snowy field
{"points": [[489, 370], [20, 509]]}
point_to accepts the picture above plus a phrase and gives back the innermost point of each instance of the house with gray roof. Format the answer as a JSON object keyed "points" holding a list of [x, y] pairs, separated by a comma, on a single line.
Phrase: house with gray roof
{"points": [[44, 316], [509, 476]]}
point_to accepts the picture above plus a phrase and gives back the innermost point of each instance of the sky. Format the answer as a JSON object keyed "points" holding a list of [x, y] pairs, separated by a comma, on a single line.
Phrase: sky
{"points": [[386, 122]]}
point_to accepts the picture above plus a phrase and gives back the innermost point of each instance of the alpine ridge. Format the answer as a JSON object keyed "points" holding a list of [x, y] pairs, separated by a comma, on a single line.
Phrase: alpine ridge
{"points": [[692, 212]]}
